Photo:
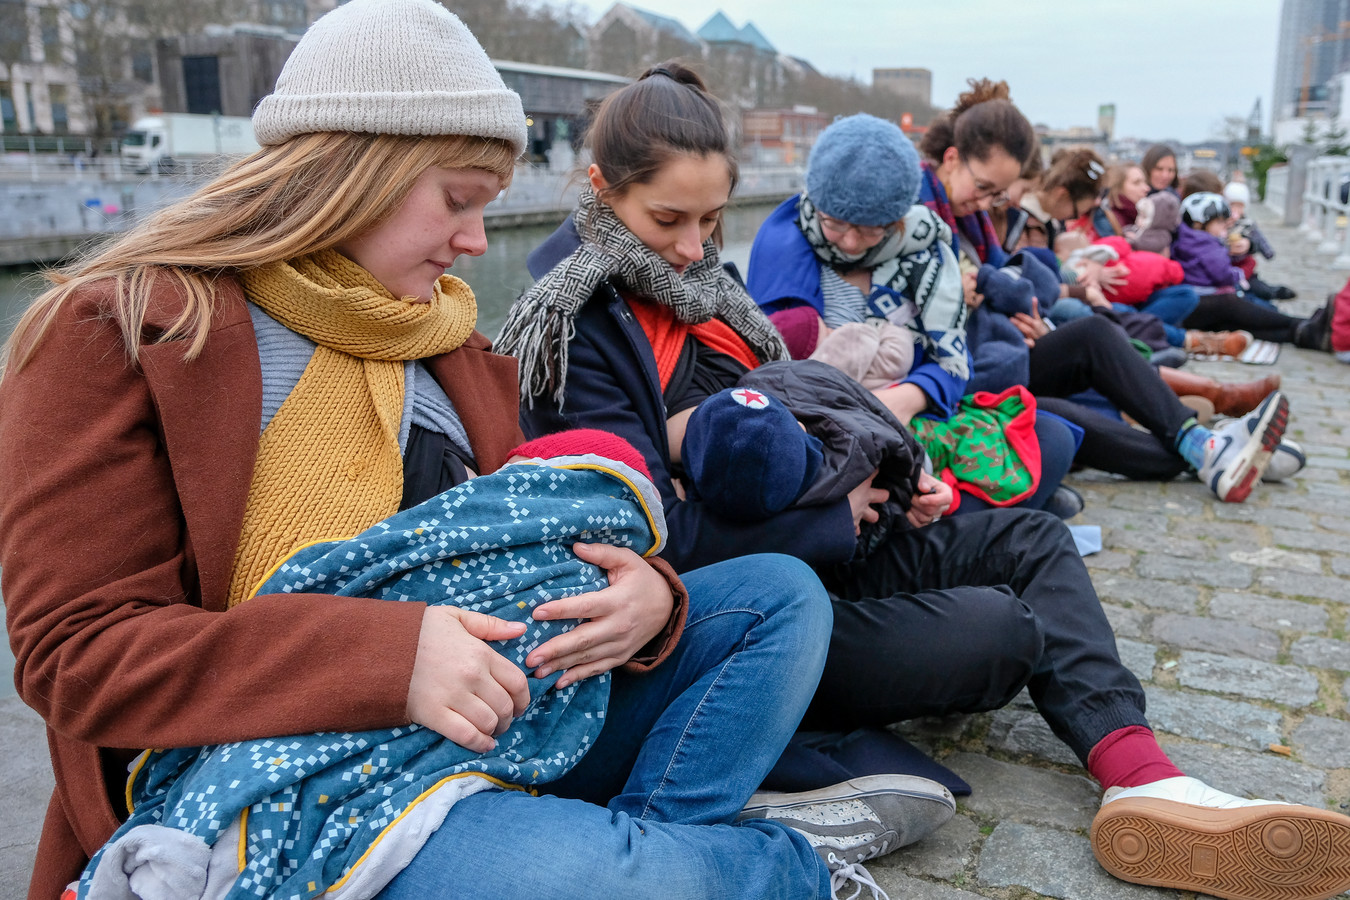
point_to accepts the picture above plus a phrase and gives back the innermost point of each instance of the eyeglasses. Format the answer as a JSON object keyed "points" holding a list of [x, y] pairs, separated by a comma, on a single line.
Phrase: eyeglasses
{"points": [[997, 196], [865, 232]]}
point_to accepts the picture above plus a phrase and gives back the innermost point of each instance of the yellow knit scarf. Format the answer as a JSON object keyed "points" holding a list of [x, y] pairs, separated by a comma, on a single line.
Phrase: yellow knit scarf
{"points": [[328, 463]]}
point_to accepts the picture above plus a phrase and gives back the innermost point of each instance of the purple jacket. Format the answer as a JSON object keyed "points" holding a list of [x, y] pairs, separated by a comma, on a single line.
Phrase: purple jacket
{"points": [[1205, 259]]}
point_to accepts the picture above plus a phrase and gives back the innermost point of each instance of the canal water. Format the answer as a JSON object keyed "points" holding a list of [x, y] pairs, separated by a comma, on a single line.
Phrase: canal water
{"points": [[497, 277]]}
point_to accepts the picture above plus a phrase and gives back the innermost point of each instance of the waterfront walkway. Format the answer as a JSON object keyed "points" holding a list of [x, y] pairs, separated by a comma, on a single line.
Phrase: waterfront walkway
{"points": [[1233, 616]]}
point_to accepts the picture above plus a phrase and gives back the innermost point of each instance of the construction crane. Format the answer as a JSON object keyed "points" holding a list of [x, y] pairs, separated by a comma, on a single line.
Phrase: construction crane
{"points": [[1312, 40]]}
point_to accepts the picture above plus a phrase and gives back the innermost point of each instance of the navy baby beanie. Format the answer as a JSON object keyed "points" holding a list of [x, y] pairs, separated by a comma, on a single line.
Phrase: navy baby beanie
{"points": [[863, 170], [746, 455]]}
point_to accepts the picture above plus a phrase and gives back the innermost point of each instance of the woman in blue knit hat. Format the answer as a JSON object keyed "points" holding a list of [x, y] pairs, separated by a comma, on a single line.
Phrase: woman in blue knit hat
{"points": [[855, 249], [632, 319]]}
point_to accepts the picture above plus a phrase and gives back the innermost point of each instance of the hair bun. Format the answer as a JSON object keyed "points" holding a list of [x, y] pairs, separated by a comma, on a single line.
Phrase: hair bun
{"points": [[981, 90], [676, 71]]}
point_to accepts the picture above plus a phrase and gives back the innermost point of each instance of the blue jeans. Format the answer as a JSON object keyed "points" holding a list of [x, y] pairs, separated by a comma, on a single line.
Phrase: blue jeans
{"points": [[648, 810], [1171, 305]]}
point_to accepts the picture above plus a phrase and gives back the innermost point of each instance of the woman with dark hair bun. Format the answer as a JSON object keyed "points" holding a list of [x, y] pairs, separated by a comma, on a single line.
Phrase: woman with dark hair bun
{"points": [[632, 318]]}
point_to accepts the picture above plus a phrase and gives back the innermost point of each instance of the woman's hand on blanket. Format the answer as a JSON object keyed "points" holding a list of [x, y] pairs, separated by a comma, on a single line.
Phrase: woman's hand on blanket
{"points": [[461, 687], [862, 500], [931, 498], [620, 619]]}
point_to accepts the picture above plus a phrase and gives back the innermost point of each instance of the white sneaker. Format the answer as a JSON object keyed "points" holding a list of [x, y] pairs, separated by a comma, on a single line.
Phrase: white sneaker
{"points": [[1236, 453], [1286, 461], [1181, 833], [858, 820]]}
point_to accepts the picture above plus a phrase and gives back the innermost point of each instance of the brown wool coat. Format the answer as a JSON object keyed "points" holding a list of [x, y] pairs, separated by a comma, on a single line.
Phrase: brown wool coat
{"points": [[122, 494]]}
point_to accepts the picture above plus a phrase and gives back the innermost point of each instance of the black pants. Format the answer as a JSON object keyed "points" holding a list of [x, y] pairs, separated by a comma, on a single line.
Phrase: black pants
{"points": [[1229, 312], [1092, 352], [959, 616]]}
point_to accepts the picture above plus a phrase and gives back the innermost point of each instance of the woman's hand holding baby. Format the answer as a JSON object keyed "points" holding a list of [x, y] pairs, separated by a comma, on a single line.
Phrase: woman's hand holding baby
{"points": [[461, 687], [620, 619]]}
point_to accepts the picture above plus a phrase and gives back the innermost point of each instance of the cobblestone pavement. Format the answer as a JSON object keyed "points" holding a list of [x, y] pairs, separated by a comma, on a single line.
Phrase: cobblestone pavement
{"points": [[1233, 616]]}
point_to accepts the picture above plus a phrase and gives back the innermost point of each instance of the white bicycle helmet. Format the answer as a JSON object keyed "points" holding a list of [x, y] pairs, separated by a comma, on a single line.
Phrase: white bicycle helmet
{"points": [[1197, 209]]}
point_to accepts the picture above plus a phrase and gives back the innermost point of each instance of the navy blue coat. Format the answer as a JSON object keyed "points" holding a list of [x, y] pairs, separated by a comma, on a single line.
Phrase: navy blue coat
{"points": [[612, 384]]}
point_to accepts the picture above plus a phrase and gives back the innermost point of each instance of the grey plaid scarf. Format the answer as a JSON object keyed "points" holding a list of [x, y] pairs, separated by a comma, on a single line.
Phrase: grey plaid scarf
{"points": [[542, 321], [917, 262]]}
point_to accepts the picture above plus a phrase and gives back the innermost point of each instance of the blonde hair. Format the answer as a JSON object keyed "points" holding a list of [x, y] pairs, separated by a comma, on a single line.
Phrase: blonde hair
{"points": [[303, 195]]}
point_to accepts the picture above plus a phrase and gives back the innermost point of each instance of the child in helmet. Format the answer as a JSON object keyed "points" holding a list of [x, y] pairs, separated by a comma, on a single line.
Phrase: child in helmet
{"points": [[1201, 245]]}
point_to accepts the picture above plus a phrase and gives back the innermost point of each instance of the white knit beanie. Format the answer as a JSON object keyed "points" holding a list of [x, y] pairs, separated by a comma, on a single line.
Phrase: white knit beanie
{"points": [[390, 67]]}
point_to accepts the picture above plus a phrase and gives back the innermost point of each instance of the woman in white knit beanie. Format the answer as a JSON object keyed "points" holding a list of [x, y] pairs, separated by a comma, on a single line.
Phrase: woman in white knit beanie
{"points": [[279, 359]]}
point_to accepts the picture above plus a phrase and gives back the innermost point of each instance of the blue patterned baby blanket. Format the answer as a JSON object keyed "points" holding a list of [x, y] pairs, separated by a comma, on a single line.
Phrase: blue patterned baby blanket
{"points": [[341, 813]]}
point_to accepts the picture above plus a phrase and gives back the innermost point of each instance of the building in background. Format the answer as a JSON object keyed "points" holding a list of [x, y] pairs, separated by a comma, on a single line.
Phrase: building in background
{"points": [[223, 71], [558, 103], [780, 137], [911, 82], [1106, 120], [1313, 48]]}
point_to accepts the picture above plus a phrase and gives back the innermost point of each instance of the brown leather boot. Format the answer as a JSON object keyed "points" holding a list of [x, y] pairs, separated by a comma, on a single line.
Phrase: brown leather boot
{"points": [[1217, 343], [1228, 399]]}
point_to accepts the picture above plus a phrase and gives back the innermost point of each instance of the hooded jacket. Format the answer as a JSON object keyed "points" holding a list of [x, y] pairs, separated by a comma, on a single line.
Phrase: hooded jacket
{"points": [[1147, 272], [1205, 259]]}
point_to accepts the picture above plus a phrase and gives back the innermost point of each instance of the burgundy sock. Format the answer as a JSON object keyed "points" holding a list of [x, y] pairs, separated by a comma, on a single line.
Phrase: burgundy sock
{"points": [[1129, 757]]}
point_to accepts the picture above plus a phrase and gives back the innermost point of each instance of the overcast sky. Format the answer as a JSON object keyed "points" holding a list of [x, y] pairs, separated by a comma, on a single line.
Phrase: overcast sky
{"points": [[1174, 68]]}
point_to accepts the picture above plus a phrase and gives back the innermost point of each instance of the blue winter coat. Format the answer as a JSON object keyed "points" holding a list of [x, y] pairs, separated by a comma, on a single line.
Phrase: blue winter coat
{"points": [[785, 272], [612, 384]]}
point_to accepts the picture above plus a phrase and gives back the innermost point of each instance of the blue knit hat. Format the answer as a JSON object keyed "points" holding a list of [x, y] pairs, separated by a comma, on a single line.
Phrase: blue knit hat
{"points": [[746, 455], [863, 170]]}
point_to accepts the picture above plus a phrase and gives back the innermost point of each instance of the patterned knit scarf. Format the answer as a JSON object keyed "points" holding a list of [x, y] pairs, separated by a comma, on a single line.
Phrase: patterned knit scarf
{"points": [[542, 321], [977, 227], [329, 464], [916, 261]]}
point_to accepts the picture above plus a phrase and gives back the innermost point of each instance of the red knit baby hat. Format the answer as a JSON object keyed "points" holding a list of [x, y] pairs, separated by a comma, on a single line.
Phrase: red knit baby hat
{"points": [[581, 441]]}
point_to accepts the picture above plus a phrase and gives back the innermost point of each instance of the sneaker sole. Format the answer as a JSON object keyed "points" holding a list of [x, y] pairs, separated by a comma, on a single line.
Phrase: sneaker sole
{"points": [[915, 808], [1275, 852], [765, 802], [1234, 484]]}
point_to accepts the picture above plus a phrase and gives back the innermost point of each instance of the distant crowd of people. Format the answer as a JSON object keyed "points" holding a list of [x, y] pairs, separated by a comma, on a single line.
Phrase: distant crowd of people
{"points": [[321, 592]]}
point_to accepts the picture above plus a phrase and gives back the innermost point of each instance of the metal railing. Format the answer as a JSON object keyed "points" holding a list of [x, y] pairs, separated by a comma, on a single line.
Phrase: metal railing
{"points": [[1326, 206], [1277, 188]]}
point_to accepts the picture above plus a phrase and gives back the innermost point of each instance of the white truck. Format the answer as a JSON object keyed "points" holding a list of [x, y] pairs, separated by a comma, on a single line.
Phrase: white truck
{"points": [[169, 141]]}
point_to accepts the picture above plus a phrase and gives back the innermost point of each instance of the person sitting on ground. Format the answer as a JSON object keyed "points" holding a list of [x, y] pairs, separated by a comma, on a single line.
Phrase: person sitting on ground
{"points": [[1155, 223], [280, 358], [1092, 352], [1201, 246], [955, 615], [1118, 210], [1160, 168], [349, 824], [1200, 181], [1245, 240], [854, 256], [1066, 192]]}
